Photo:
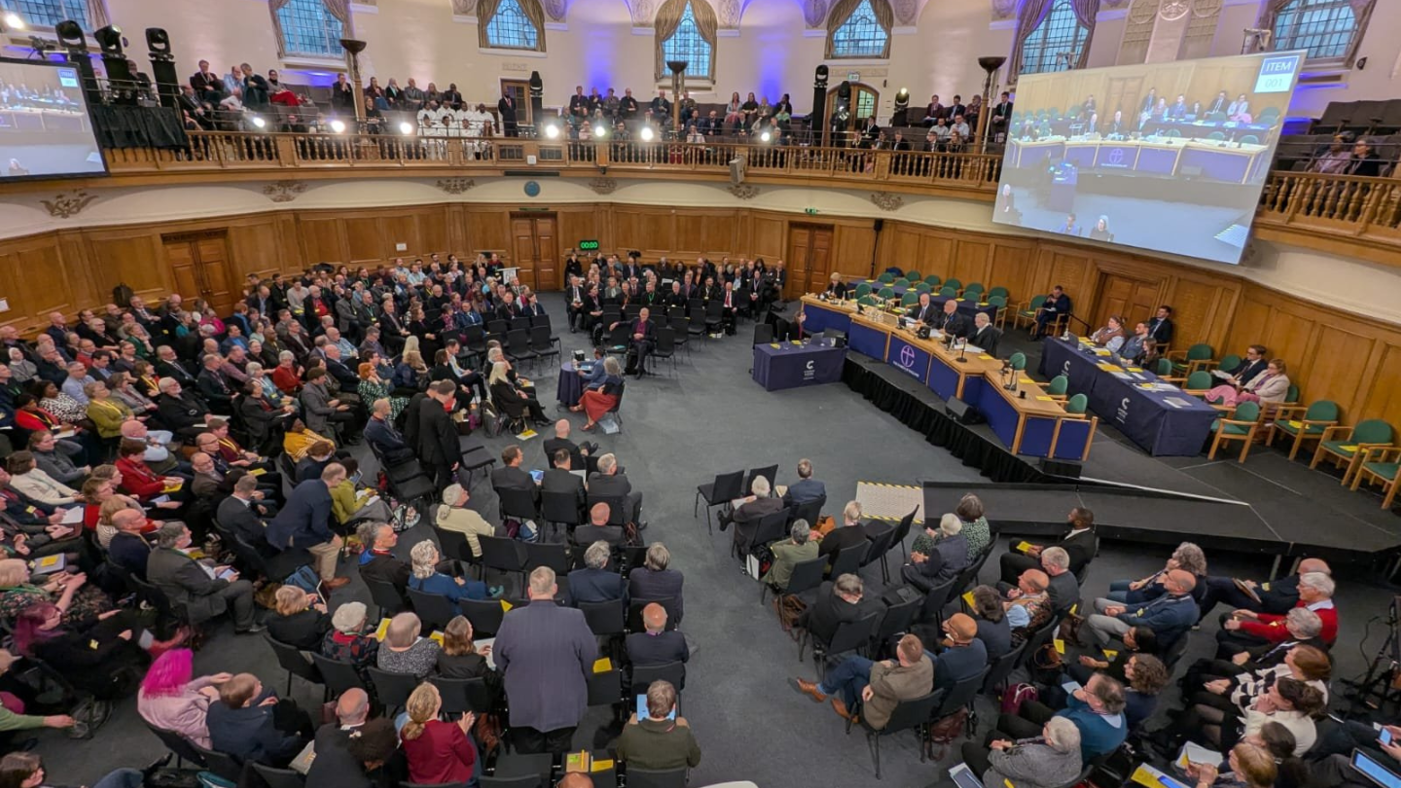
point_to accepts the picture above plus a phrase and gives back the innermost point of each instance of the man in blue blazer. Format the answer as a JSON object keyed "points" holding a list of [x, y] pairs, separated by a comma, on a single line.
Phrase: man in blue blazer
{"points": [[306, 522], [595, 582], [806, 489]]}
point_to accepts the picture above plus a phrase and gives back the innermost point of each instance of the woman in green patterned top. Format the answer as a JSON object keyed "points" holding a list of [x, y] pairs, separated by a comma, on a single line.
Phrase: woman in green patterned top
{"points": [[975, 529]]}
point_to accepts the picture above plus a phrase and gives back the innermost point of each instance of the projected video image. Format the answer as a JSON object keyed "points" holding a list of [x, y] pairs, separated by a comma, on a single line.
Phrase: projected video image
{"points": [[45, 130], [1166, 156]]}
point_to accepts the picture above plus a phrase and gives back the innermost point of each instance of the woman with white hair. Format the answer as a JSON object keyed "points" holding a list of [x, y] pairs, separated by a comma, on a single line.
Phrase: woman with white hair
{"points": [[1188, 557], [1047, 761], [596, 402], [513, 401], [348, 641], [427, 579], [940, 557]]}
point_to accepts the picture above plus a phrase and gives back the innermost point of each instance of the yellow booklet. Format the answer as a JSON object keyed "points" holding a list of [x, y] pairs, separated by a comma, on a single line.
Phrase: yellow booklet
{"points": [[602, 765], [437, 637], [382, 629], [968, 597], [1023, 546], [1047, 399], [257, 471], [1110, 654], [602, 665], [173, 488], [1060, 646], [774, 345], [505, 606]]}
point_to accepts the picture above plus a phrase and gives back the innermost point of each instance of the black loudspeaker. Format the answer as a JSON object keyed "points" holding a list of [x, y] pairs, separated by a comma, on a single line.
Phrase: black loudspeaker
{"points": [[1064, 468], [880, 225], [963, 413]]}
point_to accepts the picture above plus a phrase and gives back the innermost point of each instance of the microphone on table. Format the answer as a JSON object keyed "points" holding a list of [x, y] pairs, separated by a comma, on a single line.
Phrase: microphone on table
{"points": [[963, 353]]}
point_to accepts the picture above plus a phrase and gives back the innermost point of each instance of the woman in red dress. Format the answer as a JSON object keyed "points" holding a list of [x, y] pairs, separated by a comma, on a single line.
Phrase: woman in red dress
{"points": [[596, 402]]}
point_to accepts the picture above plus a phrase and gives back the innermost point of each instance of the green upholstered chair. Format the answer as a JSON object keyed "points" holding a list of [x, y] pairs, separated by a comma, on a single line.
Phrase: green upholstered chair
{"points": [[923, 287], [913, 276], [886, 278], [1346, 445], [909, 297], [1185, 362], [933, 280], [1077, 404], [901, 282], [1241, 426], [1029, 312], [1380, 465], [886, 292], [1316, 418], [1000, 291], [948, 292], [1019, 361], [1057, 387], [1198, 383], [863, 289], [954, 283]]}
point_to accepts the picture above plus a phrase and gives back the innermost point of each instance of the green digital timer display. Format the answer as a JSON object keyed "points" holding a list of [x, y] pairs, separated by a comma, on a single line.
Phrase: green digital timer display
{"points": [[588, 246]]}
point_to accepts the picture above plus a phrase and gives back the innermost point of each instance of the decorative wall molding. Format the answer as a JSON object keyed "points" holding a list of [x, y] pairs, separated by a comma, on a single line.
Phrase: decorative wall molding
{"points": [[604, 185], [456, 185], [66, 205], [284, 191], [364, 7], [887, 201], [815, 13], [744, 191], [1004, 9], [464, 8]]}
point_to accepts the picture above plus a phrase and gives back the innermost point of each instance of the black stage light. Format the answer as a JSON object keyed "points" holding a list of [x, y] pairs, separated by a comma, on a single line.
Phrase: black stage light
{"points": [[109, 38]]}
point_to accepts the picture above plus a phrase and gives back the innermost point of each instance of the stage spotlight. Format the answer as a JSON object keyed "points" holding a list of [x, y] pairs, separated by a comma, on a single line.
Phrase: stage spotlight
{"points": [[157, 41], [12, 21], [647, 134], [259, 122], [70, 34], [405, 128], [109, 39], [765, 136], [338, 126], [552, 131], [600, 131]]}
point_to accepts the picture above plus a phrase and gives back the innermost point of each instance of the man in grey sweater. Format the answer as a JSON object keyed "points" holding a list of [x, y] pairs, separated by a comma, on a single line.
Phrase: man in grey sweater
{"points": [[1047, 761]]}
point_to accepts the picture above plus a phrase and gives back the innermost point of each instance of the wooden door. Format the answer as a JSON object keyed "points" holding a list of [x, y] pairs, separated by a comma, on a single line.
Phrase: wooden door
{"points": [[863, 103], [199, 267], [535, 249], [519, 89], [809, 256], [1124, 94], [1131, 299]]}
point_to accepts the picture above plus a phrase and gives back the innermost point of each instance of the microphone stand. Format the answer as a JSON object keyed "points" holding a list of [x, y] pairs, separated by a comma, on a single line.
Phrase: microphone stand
{"points": [[963, 353]]}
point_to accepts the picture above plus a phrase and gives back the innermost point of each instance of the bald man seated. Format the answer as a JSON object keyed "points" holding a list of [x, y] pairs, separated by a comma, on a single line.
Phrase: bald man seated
{"points": [[655, 645]]}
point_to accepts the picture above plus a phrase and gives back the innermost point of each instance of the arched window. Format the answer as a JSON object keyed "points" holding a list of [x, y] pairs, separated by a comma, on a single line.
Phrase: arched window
{"points": [[860, 29], [1058, 43], [687, 44], [47, 13], [512, 25], [308, 28], [1327, 29]]}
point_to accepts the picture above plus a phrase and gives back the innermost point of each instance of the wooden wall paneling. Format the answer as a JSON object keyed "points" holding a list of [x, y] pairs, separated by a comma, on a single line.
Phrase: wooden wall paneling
{"points": [[900, 245], [704, 233], [323, 240], [253, 249], [1197, 309], [766, 236], [1382, 400], [651, 231], [130, 255], [289, 247], [971, 260], [1248, 327], [936, 253], [1338, 364], [455, 215], [488, 229], [35, 281], [368, 239], [1010, 266], [401, 228], [1290, 334], [852, 246]]}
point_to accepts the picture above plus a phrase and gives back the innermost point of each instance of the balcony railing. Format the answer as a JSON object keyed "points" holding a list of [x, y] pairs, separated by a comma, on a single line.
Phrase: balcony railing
{"points": [[1316, 210]]}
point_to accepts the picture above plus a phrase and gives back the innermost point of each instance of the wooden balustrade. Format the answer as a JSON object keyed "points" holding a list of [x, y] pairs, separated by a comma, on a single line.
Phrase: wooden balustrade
{"points": [[1315, 210]]}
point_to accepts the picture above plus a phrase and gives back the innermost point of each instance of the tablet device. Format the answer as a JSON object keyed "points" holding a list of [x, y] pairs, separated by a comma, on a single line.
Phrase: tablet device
{"points": [[1374, 770], [537, 476], [1385, 736], [642, 709], [228, 574]]}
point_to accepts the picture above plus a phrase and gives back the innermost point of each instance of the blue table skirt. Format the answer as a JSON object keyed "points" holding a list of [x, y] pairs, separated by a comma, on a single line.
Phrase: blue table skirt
{"points": [[791, 366], [571, 386]]}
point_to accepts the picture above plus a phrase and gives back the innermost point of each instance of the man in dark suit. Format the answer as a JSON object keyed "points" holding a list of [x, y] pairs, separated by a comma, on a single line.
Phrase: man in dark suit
{"points": [[806, 489], [179, 410], [437, 435], [579, 453], [609, 484], [213, 387], [598, 529], [595, 582], [508, 310], [127, 548], [656, 580], [644, 338], [925, 312], [1219, 104], [985, 335], [1254, 363], [963, 655], [378, 561], [1277, 597], [506, 110], [1080, 545], [561, 480], [511, 476], [381, 435], [169, 366], [850, 534], [747, 515], [545, 654], [207, 84], [242, 515], [1057, 305], [1002, 115], [305, 522], [837, 603], [202, 591], [334, 764], [655, 645], [574, 303], [950, 321], [1160, 327]]}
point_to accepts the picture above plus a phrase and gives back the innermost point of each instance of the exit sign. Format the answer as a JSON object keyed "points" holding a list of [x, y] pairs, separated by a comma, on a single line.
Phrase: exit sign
{"points": [[588, 246], [810, 211], [853, 76]]}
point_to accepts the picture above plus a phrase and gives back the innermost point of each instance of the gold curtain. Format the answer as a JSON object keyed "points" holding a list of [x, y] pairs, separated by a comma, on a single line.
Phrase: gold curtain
{"points": [[534, 13], [842, 11], [669, 19], [274, 6], [340, 9]]}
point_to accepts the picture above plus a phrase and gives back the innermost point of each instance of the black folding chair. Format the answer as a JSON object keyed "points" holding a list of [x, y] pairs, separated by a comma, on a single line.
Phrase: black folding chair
{"points": [[434, 610], [654, 778], [680, 324], [294, 661], [518, 504], [665, 349], [338, 676], [726, 487], [644, 675], [962, 694], [542, 344], [517, 346], [561, 508], [903, 530], [278, 778], [392, 689], [806, 576], [907, 715], [502, 554], [850, 636], [770, 472], [848, 560], [770, 528], [714, 317], [220, 763], [877, 552], [897, 619], [936, 599], [553, 555], [605, 619], [484, 614], [181, 747], [461, 695]]}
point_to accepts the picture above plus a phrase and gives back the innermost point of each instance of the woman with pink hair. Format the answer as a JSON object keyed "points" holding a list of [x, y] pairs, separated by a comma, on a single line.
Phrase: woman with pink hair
{"points": [[173, 701]]}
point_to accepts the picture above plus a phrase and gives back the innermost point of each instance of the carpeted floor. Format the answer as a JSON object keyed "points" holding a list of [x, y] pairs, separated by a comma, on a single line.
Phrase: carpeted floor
{"points": [[677, 433]]}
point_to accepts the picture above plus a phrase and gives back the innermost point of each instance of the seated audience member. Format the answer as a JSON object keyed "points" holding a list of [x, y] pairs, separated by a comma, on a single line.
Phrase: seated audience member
{"points": [[836, 288], [851, 533], [1187, 557], [1111, 336], [439, 752], [993, 627], [1050, 759], [301, 620], [427, 579], [984, 334], [1028, 605], [1169, 616], [656, 645], [101, 655], [1239, 691], [578, 452], [460, 658], [1248, 766], [351, 503], [127, 548], [383, 437], [798, 547], [1289, 702], [947, 556], [28, 479], [659, 742], [26, 770], [76, 599], [608, 483], [1245, 628], [1062, 587], [747, 515], [656, 580], [602, 398], [348, 641], [963, 655], [1136, 345], [1276, 596], [378, 561], [594, 582], [1253, 365], [806, 489], [1303, 626], [560, 480], [454, 515], [598, 529], [1081, 544], [1271, 387], [1054, 311], [1138, 640], [925, 311], [879, 685], [404, 650], [202, 591], [837, 602], [1097, 710], [305, 522], [513, 401], [244, 723], [318, 456], [339, 746], [173, 700], [1144, 677], [137, 478]]}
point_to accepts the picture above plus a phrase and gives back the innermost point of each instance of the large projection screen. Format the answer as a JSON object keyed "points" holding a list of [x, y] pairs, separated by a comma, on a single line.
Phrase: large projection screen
{"points": [[1163, 156], [45, 128]]}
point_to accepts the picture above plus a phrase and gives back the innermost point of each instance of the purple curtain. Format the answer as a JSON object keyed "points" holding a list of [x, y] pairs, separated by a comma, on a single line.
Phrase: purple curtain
{"points": [[1030, 14], [1085, 12]]}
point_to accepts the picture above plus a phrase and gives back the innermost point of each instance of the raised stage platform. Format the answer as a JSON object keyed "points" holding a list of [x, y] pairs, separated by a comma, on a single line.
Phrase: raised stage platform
{"points": [[1269, 505]]}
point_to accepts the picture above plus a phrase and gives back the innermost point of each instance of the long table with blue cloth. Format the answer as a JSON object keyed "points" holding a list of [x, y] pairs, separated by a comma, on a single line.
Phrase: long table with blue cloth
{"points": [[1028, 421], [1159, 417], [787, 365], [966, 306], [1220, 160]]}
